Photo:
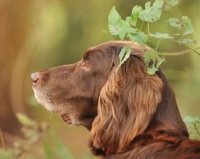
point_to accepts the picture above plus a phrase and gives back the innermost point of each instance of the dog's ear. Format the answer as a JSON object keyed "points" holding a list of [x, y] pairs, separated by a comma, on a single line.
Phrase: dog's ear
{"points": [[126, 105]]}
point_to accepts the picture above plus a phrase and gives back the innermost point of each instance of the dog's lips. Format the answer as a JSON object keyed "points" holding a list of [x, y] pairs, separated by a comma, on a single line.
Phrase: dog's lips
{"points": [[66, 119]]}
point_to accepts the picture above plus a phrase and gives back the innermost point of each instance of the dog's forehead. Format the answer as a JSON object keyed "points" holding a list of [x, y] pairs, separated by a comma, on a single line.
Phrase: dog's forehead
{"points": [[138, 50], [104, 46], [87, 54]]}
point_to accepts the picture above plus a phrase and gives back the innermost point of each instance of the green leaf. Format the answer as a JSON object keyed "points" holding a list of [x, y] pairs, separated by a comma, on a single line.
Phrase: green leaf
{"points": [[149, 56], [60, 147], [186, 41], [26, 121], [124, 28], [114, 20], [159, 61], [49, 152], [124, 55], [115, 29], [189, 119], [135, 14], [187, 25], [128, 19], [152, 13], [161, 36], [170, 3], [138, 37], [152, 70], [152, 61], [118, 26], [174, 22]]}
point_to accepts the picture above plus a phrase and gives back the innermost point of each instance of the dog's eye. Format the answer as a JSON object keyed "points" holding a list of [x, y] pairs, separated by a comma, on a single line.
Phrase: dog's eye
{"points": [[85, 65]]}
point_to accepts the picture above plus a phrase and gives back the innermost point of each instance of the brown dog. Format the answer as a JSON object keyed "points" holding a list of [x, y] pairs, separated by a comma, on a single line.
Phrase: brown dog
{"points": [[130, 114]]}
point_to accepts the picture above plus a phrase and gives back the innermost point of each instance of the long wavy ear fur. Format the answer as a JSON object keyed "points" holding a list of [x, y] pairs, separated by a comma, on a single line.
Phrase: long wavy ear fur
{"points": [[126, 105]]}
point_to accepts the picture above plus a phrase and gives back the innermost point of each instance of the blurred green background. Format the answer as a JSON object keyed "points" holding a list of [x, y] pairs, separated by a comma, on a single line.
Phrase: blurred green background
{"points": [[38, 34]]}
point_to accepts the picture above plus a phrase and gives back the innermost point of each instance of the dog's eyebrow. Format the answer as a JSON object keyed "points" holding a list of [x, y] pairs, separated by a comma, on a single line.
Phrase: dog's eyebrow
{"points": [[87, 54]]}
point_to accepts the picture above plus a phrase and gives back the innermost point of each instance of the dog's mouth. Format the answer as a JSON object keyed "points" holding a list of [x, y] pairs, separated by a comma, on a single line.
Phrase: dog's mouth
{"points": [[66, 119]]}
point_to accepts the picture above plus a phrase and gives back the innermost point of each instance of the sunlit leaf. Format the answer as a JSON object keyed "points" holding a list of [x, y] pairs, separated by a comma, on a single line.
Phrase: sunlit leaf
{"points": [[114, 22], [189, 119], [124, 55], [161, 36], [139, 37], [124, 29], [170, 3], [174, 22], [152, 13], [135, 14], [187, 25], [152, 61], [186, 41], [152, 70], [159, 61]]}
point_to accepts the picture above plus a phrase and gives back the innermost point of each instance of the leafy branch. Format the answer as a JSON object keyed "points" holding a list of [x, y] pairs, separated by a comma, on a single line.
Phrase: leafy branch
{"points": [[150, 14], [195, 124]]}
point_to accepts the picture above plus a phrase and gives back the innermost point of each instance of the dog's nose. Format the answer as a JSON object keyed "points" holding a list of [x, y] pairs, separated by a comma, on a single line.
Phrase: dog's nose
{"points": [[34, 78]]}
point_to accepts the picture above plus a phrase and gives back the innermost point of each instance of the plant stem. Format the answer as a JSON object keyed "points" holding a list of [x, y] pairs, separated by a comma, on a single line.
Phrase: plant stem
{"points": [[177, 53], [141, 26], [195, 126], [188, 47], [158, 44], [2, 141], [148, 28]]}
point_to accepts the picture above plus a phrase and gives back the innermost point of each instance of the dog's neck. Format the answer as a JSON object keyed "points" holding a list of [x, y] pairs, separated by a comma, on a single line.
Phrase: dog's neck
{"points": [[142, 140]]}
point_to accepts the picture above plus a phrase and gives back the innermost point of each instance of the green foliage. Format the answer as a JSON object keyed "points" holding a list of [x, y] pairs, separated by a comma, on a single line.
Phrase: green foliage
{"points": [[161, 36], [188, 29], [134, 15], [189, 119], [186, 41], [151, 13], [114, 20], [193, 126], [187, 24], [33, 132], [138, 37], [124, 55], [152, 56], [59, 151], [49, 153], [174, 22], [170, 3]]}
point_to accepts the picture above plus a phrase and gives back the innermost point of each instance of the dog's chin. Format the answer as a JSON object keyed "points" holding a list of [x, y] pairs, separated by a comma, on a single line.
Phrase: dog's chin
{"points": [[69, 119]]}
